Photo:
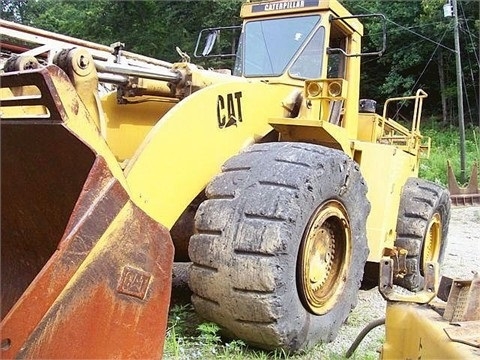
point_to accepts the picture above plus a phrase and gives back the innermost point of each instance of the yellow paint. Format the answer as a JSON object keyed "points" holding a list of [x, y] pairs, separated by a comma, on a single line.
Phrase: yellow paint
{"points": [[385, 169], [81, 123], [312, 131], [417, 332], [186, 148], [128, 125]]}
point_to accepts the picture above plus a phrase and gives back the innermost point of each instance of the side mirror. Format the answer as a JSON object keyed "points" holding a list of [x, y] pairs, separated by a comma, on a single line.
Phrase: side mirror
{"points": [[210, 41], [213, 47], [384, 35]]}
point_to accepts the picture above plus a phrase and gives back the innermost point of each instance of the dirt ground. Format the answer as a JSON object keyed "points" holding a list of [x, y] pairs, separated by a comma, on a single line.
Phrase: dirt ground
{"points": [[463, 247]]}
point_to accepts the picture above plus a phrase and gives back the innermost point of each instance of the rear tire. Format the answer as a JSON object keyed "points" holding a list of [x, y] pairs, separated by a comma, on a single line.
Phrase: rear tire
{"points": [[422, 227], [281, 244]]}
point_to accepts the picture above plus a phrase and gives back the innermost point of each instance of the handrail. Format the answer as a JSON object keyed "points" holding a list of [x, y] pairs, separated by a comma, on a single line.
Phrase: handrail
{"points": [[418, 97]]}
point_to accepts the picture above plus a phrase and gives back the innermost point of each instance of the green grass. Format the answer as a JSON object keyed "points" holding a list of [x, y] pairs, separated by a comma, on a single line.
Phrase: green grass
{"points": [[446, 146], [188, 337]]}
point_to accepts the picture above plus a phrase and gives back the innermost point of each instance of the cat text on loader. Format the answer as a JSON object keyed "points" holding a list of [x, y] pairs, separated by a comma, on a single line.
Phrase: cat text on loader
{"points": [[269, 180]]}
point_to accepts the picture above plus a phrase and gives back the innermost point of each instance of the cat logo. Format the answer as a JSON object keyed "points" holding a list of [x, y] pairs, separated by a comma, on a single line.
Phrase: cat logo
{"points": [[229, 110]]}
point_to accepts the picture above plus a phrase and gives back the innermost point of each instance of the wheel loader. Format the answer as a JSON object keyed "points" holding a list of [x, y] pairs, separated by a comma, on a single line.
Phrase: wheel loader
{"points": [[281, 187]]}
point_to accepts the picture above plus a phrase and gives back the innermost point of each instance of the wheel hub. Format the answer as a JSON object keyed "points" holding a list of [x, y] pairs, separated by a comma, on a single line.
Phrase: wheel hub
{"points": [[324, 257], [433, 239], [321, 259]]}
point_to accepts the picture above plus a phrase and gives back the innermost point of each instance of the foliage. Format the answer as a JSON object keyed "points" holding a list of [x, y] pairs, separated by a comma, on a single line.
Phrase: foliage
{"points": [[149, 27], [417, 34], [188, 337], [13, 10], [445, 146]]}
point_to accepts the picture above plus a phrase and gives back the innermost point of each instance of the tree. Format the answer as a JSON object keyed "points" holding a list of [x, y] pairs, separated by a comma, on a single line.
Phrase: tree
{"points": [[152, 28], [419, 48], [12, 10]]}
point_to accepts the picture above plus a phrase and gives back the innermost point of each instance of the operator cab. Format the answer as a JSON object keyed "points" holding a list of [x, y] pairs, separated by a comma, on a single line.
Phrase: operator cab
{"points": [[314, 45], [295, 39], [272, 47]]}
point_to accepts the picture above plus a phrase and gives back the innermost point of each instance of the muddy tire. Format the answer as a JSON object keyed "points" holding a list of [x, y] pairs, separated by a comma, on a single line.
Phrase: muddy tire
{"points": [[280, 245], [422, 227]]}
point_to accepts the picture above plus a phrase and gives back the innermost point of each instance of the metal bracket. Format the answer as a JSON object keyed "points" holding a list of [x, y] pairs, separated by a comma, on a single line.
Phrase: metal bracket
{"points": [[399, 257], [469, 195], [464, 301], [422, 297]]}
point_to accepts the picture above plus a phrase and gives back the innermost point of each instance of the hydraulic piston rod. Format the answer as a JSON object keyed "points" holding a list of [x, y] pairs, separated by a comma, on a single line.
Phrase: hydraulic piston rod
{"points": [[157, 73]]}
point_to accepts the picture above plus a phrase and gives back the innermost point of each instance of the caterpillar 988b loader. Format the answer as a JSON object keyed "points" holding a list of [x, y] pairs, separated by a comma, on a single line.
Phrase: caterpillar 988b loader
{"points": [[272, 181]]}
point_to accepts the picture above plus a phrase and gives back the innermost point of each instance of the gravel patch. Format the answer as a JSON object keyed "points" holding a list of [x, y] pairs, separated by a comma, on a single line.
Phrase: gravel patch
{"points": [[462, 255]]}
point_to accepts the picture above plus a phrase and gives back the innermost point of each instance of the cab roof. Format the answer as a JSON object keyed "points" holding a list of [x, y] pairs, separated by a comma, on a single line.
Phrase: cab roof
{"points": [[273, 8]]}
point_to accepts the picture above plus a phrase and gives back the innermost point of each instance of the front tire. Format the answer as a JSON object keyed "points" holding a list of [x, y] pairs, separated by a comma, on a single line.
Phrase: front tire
{"points": [[280, 245], [422, 227]]}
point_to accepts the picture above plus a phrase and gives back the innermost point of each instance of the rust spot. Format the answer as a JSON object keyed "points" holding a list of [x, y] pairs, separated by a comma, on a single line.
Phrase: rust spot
{"points": [[469, 195]]}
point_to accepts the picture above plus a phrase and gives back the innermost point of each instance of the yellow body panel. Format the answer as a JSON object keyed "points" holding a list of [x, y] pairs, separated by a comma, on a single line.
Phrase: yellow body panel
{"points": [[369, 128], [385, 169], [128, 125], [266, 8], [186, 148], [417, 332], [313, 131], [84, 127]]}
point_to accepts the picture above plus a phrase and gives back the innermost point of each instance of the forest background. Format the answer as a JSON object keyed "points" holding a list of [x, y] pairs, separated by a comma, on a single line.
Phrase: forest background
{"points": [[420, 45]]}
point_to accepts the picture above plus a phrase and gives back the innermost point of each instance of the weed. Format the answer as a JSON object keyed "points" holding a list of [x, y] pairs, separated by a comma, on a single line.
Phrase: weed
{"points": [[209, 337], [446, 146], [234, 349], [176, 329], [189, 338]]}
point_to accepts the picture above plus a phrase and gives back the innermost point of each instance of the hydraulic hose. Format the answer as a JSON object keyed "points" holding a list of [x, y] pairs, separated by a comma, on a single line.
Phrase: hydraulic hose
{"points": [[369, 327]]}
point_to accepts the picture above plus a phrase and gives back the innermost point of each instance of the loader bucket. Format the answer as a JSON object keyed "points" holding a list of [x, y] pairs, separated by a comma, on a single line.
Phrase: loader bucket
{"points": [[85, 273], [462, 196], [43, 172]]}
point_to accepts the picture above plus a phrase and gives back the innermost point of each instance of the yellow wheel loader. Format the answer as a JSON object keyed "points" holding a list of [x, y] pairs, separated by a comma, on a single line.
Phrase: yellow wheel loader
{"points": [[275, 181]]}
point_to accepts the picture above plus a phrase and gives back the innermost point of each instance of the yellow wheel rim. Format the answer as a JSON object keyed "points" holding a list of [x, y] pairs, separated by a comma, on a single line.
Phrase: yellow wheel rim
{"points": [[324, 257], [433, 241]]}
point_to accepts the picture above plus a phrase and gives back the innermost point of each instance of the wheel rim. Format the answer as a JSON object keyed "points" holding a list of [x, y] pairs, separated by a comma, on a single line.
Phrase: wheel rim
{"points": [[433, 240], [324, 257]]}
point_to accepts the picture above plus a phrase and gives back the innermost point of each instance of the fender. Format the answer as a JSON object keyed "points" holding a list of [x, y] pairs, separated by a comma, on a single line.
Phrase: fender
{"points": [[187, 147]]}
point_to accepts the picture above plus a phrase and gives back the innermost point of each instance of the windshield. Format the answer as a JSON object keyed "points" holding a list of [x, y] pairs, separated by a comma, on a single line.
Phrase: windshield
{"points": [[268, 46]]}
